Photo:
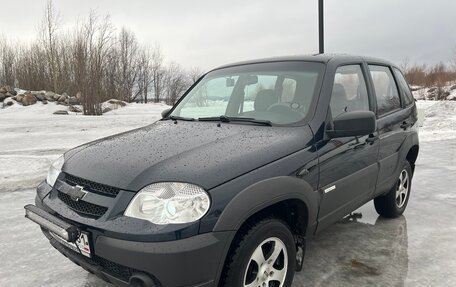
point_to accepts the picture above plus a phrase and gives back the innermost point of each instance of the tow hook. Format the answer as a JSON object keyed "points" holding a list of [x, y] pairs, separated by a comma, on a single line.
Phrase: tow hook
{"points": [[300, 251]]}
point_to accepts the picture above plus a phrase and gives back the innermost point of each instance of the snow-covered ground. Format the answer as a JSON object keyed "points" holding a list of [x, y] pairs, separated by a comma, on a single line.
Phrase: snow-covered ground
{"points": [[32, 137], [439, 120]]}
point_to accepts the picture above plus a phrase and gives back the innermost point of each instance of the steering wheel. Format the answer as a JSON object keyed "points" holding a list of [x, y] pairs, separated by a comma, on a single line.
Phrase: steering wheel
{"points": [[285, 108]]}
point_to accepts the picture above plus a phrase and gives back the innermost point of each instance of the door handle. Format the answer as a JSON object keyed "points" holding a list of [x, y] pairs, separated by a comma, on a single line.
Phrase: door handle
{"points": [[405, 125], [371, 139]]}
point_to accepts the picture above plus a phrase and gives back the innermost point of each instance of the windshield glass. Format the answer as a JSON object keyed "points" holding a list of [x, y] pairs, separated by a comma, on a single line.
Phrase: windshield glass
{"points": [[279, 92]]}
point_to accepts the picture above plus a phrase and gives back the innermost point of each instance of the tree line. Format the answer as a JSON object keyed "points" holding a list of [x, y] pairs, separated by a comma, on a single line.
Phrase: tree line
{"points": [[429, 76], [437, 78], [94, 61]]}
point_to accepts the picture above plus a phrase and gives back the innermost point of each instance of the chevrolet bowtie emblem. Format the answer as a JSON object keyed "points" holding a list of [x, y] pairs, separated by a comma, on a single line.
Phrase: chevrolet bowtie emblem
{"points": [[76, 192]]}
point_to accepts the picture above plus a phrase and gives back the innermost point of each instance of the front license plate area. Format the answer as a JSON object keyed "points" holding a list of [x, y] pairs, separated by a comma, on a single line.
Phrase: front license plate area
{"points": [[82, 244]]}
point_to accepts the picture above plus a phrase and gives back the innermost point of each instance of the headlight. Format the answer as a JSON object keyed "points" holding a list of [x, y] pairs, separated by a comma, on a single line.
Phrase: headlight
{"points": [[54, 171], [169, 203]]}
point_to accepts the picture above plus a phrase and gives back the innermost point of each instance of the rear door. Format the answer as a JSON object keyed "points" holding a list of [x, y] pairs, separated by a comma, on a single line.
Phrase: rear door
{"points": [[348, 165], [393, 123]]}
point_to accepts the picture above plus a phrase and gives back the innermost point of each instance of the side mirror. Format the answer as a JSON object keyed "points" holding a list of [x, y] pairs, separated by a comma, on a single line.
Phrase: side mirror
{"points": [[165, 113], [357, 123]]}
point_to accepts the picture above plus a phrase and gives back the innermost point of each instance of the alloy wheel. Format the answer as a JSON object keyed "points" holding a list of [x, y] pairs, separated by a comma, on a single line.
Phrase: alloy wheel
{"points": [[268, 265], [402, 188]]}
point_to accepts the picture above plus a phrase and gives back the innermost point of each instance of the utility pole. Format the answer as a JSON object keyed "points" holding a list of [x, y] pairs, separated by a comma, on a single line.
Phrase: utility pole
{"points": [[321, 27]]}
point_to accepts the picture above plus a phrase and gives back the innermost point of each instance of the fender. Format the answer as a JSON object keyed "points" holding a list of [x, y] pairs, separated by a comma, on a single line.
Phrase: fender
{"points": [[407, 144], [266, 193]]}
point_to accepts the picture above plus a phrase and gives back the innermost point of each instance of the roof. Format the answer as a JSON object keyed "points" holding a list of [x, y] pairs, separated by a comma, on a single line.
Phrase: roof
{"points": [[321, 58]]}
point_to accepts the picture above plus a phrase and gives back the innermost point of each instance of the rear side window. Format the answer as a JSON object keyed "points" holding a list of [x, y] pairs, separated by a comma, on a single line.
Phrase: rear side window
{"points": [[349, 91], [407, 94], [385, 89]]}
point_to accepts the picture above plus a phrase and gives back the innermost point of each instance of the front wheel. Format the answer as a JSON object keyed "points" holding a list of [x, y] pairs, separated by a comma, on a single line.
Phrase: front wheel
{"points": [[264, 255], [393, 204]]}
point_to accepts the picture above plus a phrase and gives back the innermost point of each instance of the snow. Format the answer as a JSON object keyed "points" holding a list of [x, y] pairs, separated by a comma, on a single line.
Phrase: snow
{"points": [[216, 108], [428, 93], [32, 137], [439, 121]]}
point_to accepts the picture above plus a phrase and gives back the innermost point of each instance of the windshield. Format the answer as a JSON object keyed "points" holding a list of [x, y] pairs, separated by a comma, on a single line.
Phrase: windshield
{"points": [[279, 93]]}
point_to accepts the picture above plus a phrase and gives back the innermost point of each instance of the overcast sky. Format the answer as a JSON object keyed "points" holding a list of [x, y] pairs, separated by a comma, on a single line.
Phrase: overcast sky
{"points": [[208, 33]]}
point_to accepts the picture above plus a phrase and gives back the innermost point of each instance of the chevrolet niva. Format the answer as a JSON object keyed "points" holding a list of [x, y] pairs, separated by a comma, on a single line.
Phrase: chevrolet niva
{"points": [[256, 158]]}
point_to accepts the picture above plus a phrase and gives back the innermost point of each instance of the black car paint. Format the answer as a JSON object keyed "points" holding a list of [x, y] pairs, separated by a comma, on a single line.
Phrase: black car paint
{"points": [[196, 152], [244, 168]]}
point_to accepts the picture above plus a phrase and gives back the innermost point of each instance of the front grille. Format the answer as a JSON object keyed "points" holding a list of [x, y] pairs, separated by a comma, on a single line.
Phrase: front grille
{"points": [[91, 186], [114, 269], [119, 271], [83, 207]]}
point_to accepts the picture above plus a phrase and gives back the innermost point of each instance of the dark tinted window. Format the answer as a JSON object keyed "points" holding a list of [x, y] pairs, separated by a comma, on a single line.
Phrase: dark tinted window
{"points": [[407, 94], [349, 91], [385, 89]]}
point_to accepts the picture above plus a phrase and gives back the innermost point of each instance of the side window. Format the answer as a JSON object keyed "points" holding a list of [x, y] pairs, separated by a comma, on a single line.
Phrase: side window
{"points": [[408, 97], [385, 89], [349, 91]]}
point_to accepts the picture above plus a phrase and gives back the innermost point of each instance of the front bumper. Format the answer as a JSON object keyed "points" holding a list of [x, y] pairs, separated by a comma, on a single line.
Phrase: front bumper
{"points": [[193, 261]]}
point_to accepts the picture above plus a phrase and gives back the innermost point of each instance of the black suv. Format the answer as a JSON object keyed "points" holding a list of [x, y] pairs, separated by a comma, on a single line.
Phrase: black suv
{"points": [[227, 187]]}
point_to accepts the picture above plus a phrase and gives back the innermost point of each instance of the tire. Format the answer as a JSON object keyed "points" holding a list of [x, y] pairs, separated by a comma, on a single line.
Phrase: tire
{"points": [[263, 239], [393, 203]]}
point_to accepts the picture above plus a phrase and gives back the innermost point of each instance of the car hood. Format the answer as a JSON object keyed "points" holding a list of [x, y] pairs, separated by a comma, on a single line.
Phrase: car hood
{"points": [[201, 153]]}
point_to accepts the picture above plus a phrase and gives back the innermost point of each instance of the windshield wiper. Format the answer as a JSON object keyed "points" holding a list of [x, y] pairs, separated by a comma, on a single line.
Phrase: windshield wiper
{"points": [[181, 118], [227, 119]]}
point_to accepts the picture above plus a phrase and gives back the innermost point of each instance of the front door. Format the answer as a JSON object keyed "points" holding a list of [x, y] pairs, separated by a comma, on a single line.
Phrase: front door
{"points": [[348, 165]]}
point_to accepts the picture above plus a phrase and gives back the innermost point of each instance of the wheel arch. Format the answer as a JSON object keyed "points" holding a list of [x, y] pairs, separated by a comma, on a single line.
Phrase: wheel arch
{"points": [[412, 155], [289, 198]]}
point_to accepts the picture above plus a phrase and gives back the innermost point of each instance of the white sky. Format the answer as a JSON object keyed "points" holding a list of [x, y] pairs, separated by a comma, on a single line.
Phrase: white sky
{"points": [[208, 33]]}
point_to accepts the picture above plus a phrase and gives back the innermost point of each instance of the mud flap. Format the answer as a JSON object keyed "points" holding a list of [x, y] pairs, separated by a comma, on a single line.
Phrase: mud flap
{"points": [[300, 252]]}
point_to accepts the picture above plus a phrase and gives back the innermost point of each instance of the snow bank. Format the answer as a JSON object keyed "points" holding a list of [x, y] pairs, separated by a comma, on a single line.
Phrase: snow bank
{"points": [[32, 137], [447, 92], [440, 120]]}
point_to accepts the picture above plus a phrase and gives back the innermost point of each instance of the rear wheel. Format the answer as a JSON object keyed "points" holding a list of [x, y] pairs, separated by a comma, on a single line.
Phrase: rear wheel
{"points": [[263, 256], [393, 204]]}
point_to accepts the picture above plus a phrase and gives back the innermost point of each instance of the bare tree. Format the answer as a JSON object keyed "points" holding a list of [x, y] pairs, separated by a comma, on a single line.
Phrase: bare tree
{"points": [[158, 73], [128, 65], [145, 78], [416, 75], [49, 28], [93, 62], [7, 62], [194, 74], [201, 97], [176, 83], [404, 65], [92, 50]]}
